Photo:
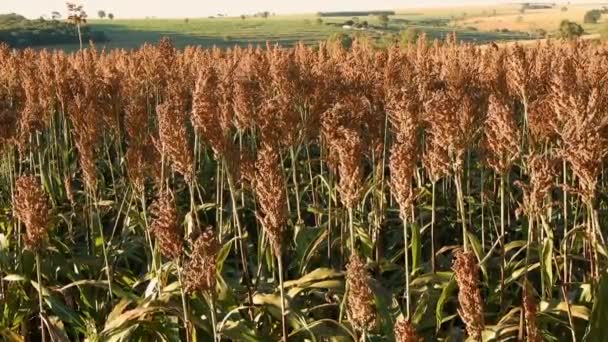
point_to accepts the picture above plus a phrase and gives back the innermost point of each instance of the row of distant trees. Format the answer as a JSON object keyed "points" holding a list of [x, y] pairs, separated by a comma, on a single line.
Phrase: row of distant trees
{"points": [[102, 15], [17, 31], [55, 15]]}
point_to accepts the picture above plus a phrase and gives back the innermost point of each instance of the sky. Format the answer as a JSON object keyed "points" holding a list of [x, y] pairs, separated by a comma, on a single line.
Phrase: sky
{"points": [[203, 8]]}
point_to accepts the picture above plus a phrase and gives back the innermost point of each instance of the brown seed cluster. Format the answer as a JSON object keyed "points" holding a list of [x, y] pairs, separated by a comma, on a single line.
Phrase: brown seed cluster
{"points": [[165, 225], [208, 118], [406, 332], [143, 160], [501, 135], [85, 105], [541, 169], [404, 106], [361, 303], [270, 193], [31, 206], [580, 104], [471, 309], [173, 137], [200, 270], [345, 141]]}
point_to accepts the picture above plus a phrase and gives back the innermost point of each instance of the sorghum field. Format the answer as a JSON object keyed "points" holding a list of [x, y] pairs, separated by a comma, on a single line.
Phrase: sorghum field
{"points": [[440, 191]]}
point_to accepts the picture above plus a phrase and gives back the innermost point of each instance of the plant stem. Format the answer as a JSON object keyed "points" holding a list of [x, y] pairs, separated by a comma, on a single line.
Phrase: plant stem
{"points": [[294, 173], [103, 244], [213, 317], [41, 306], [351, 230], [79, 35], [433, 269], [240, 236], [407, 264], [460, 199], [502, 240], [282, 289], [184, 301], [565, 252]]}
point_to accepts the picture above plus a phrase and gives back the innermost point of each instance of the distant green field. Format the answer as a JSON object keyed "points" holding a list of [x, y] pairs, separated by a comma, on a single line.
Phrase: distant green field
{"points": [[286, 30], [480, 24]]}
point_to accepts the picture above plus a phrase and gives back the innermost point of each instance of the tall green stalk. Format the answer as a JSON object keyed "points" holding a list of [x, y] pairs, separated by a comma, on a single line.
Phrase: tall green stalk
{"points": [[40, 305], [433, 267], [294, 174], [241, 238], [282, 291], [186, 315], [103, 244], [351, 230], [461, 209], [503, 264], [407, 264]]}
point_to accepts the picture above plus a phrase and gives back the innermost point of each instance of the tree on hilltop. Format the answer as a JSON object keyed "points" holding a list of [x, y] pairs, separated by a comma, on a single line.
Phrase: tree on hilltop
{"points": [[78, 17]]}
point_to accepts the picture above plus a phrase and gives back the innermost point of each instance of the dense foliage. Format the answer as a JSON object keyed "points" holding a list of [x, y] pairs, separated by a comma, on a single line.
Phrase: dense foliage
{"points": [[18, 31], [592, 16], [439, 191], [570, 30]]}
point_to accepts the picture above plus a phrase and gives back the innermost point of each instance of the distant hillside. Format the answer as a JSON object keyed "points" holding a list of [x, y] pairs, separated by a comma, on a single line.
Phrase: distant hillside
{"points": [[18, 31], [354, 13]]}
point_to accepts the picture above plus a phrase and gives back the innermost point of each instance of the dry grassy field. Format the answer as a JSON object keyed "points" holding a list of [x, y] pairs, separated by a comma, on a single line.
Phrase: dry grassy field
{"points": [[509, 17]]}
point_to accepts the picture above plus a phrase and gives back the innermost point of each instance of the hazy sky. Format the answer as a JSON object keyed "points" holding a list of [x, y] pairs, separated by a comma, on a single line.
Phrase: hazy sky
{"points": [[202, 8]]}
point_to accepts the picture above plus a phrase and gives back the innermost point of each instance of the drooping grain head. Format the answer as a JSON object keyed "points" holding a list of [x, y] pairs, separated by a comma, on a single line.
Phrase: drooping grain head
{"points": [[84, 109], [279, 122], [463, 102], [471, 309], [143, 164], [207, 112], [225, 88], [31, 206], [439, 135], [249, 78], [173, 135], [33, 113], [165, 226], [541, 170], [494, 72], [518, 70], [200, 270], [402, 164], [501, 136], [542, 121], [64, 76], [580, 104], [270, 193], [360, 301], [404, 107], [111, 99], [361, 73], [405, 331], [86, 133], [214, 112], [344, 138]]}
